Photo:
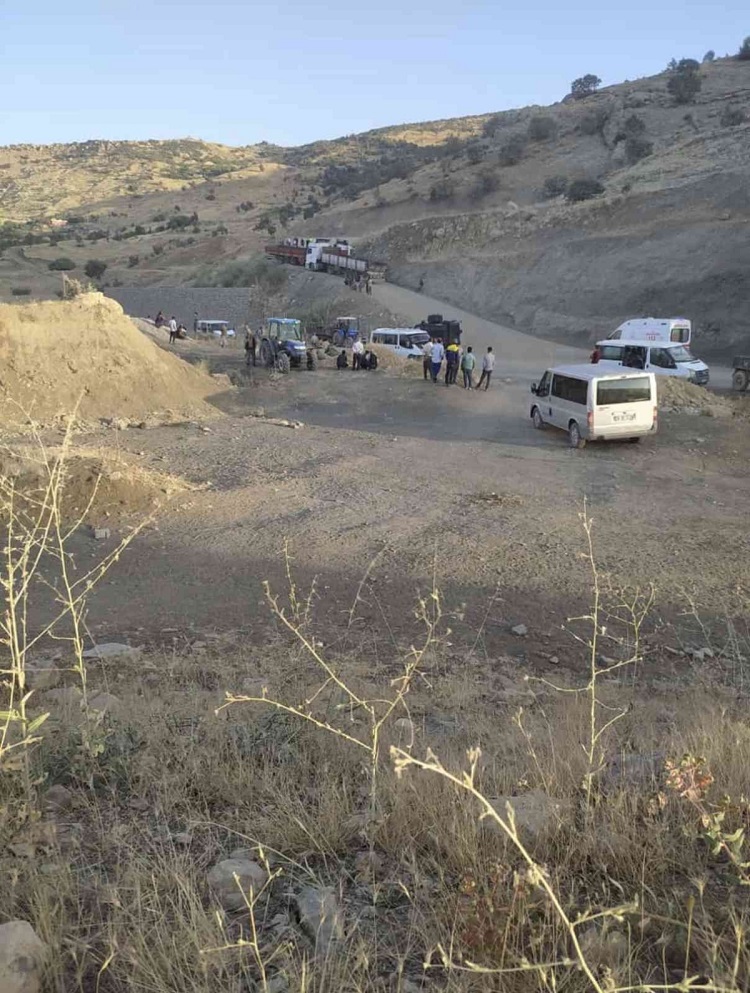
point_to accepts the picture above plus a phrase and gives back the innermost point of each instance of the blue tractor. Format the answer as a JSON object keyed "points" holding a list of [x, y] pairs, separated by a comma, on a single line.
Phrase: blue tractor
{"points": [[282, 346]]}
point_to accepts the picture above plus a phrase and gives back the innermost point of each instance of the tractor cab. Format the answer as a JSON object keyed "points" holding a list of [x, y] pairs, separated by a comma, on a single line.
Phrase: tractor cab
{"points": [[283, 347], [346, 331]]}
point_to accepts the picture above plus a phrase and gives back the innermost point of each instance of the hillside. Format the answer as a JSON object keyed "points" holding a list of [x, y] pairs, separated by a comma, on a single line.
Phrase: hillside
{"points": [[474, 207]]}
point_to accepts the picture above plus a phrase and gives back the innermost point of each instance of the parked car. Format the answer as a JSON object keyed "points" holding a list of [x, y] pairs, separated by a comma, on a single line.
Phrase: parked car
{"points": [[592, 404], [219, 329], [406, 342], [664, 359]]}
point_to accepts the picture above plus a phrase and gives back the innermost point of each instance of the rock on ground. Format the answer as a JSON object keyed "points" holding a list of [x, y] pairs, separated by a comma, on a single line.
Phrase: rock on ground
{"points": [[230, 882], [320, 915], [22, 957], [108, 650], [537, 815]]}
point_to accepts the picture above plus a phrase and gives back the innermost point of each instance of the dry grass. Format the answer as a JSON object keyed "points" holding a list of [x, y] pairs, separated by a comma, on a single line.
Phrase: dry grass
{"points": [[635, 883]]}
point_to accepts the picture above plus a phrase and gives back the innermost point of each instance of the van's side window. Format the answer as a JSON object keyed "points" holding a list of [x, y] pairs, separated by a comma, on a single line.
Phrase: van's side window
{"points": [[542, 389], [661, 358], [570, 389], [611, 352]]}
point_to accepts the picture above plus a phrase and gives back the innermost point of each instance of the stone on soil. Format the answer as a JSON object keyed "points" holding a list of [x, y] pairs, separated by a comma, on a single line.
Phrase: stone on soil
{"points": [[320, 915], [537, 815], [230, 882], [22, 957]]}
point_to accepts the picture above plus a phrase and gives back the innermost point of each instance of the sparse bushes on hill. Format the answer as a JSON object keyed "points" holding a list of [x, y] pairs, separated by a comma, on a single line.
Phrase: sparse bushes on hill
{"points": [[178, 222], [444, 189], [542, 127], [744, 53], [95, 268], [512, 151], [637, 148], [709, 56], [245, 206], [684, 82], [133, 261], [732, 117], [583, 189], [63, 264], [492, 125], [475, 154], [554, 186], [584, 86], [594, 121], [21, 291], [266, 278], [487, 182], [633, 127]]}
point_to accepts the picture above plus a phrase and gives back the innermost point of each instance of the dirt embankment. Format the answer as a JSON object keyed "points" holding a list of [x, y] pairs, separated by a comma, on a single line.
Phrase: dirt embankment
{"points": [[55, 354]]}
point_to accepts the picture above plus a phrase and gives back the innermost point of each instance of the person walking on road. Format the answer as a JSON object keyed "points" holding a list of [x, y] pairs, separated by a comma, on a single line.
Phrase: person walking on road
{"points": [[451, 363], [488, 364], [427, 358], [468, 364], [358, 350], [436, 359]]}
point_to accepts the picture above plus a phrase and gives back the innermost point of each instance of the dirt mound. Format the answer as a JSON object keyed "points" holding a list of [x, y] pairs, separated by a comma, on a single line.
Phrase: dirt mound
{"points": [[395, 365], [54, 352], [98, 487], [678, 394]]}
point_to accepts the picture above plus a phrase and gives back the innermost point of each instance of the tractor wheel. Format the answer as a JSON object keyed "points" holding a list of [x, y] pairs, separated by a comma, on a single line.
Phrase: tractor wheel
{"points": [[740, 379], [283, 363], [266, 354], [312, 361]]}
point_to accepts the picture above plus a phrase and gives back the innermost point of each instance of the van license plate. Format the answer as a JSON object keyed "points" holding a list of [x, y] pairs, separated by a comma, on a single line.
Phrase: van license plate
{"points": [[623, 416]]}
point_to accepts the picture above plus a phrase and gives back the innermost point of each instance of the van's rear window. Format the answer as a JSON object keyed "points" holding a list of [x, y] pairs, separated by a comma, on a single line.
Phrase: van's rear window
{"points": [[629, 390]]}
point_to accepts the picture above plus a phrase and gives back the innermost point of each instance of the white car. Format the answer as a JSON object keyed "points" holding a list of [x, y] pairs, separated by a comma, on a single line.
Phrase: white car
{"points": [[220, 329]]}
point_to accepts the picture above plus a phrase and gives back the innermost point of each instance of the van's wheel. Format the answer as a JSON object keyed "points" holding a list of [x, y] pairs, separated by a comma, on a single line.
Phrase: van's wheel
{"points": [[740, 379], [266, 355], [575, 438], [537, 419], [283, 363], [312, 361]]}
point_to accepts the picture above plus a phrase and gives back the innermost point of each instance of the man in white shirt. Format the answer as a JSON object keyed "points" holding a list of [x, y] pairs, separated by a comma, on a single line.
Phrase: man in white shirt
{"points": [[427, 360], [172, 330], [488, 364], [436, 359], [358, 350]]}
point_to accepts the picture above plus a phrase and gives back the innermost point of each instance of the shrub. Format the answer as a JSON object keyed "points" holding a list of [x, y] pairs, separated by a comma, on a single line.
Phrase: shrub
{"points": [[512, 151], [583, 189], [95, 268], [684, 82], [444, 189], [634, 126], [63, 264], [492, 125], [709, 56], [594, 121], [21, 291], [133, 261], [475, 154], [542, 127], [487, 182], [584, 86], [554, 186], [732, 117], [638, 148], [157, 249], [179, 222], [744, 52]]}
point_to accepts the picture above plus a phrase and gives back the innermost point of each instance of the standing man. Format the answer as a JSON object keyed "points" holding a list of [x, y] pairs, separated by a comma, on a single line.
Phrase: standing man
{"points": [[468, 363], [172, 328], [358, 350], [427, 359], [451, 363], [436, 359], [195, 321], [488, 364]]}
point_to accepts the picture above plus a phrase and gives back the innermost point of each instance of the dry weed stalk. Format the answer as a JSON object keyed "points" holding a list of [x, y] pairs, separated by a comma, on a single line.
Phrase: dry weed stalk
{"points": [[36, 536]]}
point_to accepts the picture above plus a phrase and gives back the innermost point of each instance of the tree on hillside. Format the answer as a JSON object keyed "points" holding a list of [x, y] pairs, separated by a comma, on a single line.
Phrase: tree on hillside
{"points": [[744, 52], [512, 151], [584, 86], [709, 56], [583, 189], [95, 269], [542, 127], [684, 83]]}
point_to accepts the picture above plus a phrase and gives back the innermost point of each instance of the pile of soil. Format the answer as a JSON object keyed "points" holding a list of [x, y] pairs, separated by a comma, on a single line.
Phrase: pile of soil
{"points": [[395, 365], [98, 487], [678, 394], [53, 353]]}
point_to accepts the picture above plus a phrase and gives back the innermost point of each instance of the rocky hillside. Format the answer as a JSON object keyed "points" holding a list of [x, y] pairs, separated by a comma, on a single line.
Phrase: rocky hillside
{"points": [[559, 220]]}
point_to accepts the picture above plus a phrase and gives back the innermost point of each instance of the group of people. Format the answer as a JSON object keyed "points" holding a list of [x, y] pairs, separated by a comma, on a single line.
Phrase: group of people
{"points": [[175, 330], [359, 283], [435, 353], [362, 358]]}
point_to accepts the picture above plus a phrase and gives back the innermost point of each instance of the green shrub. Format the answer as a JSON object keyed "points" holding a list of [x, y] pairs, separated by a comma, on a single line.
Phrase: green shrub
{"points": [[709, 56], [554, 186], [492, 125], [583, 189], [684, 82], [542, 127], [637, 148], [179, 222], [744, 52], [444, 189], [594, 121], [584, 86], [487, 182], [133, 261], [475, 154], [21, 291], [732, 117], [95, 268], [512, 151], [63, 264]]}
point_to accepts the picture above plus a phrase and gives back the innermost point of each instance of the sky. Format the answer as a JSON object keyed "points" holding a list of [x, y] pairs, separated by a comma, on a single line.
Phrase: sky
{"points": [[289, 72]]}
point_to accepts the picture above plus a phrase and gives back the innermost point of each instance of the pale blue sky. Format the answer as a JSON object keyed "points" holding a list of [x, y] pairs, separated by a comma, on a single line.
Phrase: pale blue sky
{"points": [[291, 72]]}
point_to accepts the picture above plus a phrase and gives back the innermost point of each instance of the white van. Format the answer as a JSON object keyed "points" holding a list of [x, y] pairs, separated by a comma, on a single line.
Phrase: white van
{"points": [[663, 359], [677, 330], [592, 404], [406, 342]]}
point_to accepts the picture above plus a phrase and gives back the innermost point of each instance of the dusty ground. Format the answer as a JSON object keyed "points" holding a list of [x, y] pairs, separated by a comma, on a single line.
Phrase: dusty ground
{"points": [[441, 485]]}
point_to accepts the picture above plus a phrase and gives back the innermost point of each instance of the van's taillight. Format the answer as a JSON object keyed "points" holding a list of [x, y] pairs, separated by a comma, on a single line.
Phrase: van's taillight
{"points": [[590, 418]]}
